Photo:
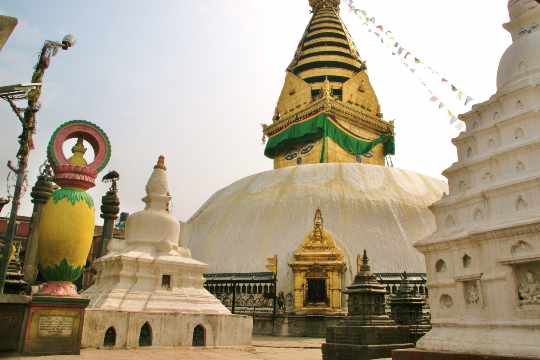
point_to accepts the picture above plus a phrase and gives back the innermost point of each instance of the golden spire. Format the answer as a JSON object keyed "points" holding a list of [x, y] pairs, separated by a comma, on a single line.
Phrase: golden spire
{"points": [[160, 163], [327, 77], [318, 226], [78, 151], [322, 4]]}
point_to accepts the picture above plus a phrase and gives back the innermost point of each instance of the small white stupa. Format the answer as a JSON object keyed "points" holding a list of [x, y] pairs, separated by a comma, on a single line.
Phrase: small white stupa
{"points": [[483, 262], [149, 291]]}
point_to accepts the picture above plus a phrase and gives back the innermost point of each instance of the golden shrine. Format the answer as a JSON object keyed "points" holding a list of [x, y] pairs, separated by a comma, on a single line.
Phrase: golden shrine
{"points": [[328, 110], [318, 270]]}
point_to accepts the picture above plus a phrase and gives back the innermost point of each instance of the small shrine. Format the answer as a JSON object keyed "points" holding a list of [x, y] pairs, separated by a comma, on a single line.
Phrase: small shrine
{"points": [[367, 332], [149, 290], [407, 308], [318, 269]]}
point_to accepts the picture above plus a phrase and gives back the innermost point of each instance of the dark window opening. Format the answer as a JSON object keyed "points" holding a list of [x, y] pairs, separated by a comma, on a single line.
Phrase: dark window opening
{"points": [[337, 93], [166, 282], [110, 337], [315, 94], [316, 293], [145, 336], [199, 336], [299, 161]]}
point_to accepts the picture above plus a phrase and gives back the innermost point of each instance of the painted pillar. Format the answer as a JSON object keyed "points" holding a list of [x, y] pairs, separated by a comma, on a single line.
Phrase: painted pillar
{"points": [[41, 192], [110, 207]]}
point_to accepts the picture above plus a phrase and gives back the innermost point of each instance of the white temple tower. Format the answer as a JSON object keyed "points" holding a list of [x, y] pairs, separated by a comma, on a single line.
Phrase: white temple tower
{"points": [[483, 262], [149, 291]]}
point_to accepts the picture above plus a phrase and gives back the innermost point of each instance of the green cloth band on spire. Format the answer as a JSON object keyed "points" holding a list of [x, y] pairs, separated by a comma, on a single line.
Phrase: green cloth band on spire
{"points": [[321, 126], [73, 195]]}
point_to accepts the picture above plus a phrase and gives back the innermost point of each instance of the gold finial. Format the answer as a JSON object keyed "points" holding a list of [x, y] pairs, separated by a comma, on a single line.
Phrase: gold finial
{"points": [[78, 151], [327, 88], [322, 4], [160, 163], [318, 225]]}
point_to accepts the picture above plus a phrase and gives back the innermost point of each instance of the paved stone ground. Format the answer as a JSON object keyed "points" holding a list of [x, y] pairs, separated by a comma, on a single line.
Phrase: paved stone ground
{"points": [[263, 348]]}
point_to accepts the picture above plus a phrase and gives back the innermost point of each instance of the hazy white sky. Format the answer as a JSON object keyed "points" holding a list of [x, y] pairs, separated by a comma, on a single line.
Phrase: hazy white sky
{"points": [[193, 79]]}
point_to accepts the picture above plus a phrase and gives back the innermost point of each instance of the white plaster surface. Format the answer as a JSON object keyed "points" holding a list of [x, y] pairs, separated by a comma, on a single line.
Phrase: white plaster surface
{"points": [[483, 261], [130, 288], [383, 210]]}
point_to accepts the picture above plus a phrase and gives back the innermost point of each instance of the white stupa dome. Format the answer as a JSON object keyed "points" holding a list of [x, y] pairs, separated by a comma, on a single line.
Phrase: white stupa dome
{"points": [[520, 65], [383, 210]]}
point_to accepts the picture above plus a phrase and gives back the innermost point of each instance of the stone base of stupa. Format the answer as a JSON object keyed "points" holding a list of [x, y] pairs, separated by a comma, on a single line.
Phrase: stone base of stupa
{"points": [[490, 341], [131, 305], [416, 354], [167, 329]]}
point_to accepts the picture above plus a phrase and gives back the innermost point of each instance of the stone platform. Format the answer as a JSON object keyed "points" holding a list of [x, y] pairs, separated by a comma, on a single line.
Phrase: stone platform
{"points": [[416, 354], [294, 325]]}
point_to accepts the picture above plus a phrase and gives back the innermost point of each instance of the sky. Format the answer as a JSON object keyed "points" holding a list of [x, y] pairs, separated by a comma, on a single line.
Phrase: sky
{"points": [[194, 79]]}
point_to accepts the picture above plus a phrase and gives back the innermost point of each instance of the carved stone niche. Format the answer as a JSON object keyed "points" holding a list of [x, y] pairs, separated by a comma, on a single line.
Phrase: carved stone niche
{"points": [[525, 263], [472, 290], [528, 281]]}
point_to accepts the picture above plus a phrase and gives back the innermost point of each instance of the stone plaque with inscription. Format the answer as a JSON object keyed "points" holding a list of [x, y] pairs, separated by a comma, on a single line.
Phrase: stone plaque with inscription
{"points": [[54, 325]]}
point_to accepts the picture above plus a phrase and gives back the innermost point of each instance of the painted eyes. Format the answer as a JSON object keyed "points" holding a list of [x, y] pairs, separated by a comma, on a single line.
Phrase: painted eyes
{"points": [[301, 151]]}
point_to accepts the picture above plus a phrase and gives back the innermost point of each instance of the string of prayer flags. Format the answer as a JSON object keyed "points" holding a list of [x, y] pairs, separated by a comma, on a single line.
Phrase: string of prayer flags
{"points": [[412, 62]]}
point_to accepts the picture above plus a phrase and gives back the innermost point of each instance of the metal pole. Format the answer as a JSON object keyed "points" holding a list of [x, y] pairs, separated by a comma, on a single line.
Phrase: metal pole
{"points": [[233, 297], [28, 122], [274, 294]]}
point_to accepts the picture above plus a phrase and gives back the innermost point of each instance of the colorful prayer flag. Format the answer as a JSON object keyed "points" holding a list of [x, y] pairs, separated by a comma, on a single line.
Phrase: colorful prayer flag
{"points": [[469, 99], [434, 99]]}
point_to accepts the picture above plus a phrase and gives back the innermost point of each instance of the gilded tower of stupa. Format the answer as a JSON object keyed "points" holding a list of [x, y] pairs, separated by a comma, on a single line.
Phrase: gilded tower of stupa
{"points": [[328, 120], [327, 110]]}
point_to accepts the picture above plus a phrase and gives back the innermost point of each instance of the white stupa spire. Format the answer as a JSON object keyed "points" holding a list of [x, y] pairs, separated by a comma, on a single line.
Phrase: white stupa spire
{"points": [[158, 196], [520, 65]]}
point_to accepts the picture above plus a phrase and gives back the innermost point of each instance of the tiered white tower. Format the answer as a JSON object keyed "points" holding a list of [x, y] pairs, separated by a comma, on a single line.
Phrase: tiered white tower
{"points": [[484, 260], [149, 291]]}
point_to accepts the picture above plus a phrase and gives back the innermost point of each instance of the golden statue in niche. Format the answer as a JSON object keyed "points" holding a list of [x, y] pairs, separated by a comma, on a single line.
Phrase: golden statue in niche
{"points": [[318, 269]]}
